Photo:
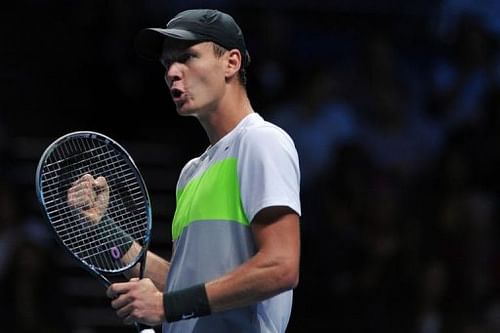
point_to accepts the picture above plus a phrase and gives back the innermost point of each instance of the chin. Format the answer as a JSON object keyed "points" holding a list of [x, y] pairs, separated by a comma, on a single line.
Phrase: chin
{"points": [[187, 112]]}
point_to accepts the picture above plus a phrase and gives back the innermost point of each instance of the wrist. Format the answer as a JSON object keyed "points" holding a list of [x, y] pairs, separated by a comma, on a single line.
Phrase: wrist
{"points": [[121, 240], [186, 303]]}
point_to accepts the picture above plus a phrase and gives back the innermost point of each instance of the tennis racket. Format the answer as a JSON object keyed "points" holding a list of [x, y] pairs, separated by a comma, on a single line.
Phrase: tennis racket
{"points": [[98, 223]]}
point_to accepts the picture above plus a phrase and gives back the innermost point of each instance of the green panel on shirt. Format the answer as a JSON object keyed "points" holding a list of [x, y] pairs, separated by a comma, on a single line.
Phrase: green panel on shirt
{"points": [[214, 195]]}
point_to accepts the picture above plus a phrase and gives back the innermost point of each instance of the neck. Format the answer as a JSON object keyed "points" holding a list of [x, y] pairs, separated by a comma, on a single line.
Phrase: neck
{"points": [[227, 115]]}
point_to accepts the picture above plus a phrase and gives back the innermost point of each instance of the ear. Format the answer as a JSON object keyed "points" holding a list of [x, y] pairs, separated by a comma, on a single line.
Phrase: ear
{"points": [[233, 63]]}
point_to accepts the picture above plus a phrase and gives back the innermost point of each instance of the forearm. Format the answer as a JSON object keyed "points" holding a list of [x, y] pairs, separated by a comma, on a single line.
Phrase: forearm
{"points": [[156, 267], [254, 281], [273, 269]]}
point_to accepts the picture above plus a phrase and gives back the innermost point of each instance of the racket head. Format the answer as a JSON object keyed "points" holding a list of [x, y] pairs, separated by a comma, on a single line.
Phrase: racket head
{"points": [[86, 152]]}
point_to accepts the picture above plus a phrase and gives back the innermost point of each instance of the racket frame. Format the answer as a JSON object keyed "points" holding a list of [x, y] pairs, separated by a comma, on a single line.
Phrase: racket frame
{"points": [[141, 257]]}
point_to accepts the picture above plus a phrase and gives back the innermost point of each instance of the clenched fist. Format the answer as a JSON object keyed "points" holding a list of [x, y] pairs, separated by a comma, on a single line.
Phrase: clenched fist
{"points": [[90, 196]]}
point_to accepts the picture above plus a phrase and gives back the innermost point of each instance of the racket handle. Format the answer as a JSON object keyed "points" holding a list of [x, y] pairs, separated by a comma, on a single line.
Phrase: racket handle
{"points": [[144, 329]]}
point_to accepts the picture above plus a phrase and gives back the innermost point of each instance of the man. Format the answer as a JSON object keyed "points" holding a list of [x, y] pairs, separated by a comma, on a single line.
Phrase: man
{"points": [[236, 236]]}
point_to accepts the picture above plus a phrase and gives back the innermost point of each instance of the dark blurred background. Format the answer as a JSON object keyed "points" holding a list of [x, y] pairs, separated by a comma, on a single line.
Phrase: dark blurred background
{"points": [[394, 109]]}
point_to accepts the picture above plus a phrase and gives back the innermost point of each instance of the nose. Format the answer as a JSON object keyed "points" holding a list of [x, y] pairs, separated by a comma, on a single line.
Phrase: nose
{"points": [[172, 74]]}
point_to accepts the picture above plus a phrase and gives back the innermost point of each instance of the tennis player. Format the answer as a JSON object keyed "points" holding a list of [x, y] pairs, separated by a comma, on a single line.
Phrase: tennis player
{"points": [[236, 235]]}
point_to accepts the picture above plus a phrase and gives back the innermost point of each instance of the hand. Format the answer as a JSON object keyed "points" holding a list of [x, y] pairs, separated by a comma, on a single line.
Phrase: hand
{"points": [[90, 196], [137, 301]]}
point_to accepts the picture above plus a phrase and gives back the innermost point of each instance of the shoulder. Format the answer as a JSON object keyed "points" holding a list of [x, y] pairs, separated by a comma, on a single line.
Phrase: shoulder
{"points": [[262, 142], [264, 133]]}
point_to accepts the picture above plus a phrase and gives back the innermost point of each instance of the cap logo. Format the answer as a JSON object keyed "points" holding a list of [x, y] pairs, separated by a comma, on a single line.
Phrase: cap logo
{"points": [[209, 17]]}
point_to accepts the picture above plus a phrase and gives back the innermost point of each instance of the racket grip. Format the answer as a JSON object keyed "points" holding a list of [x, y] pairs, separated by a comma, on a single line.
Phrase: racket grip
{"points": [[144, 329]]}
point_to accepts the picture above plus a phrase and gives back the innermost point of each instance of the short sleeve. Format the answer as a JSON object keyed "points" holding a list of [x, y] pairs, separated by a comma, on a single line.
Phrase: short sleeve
{"points": [[268, 170]]}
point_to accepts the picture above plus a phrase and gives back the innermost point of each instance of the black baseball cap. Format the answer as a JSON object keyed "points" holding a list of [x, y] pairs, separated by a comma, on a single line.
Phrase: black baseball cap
{"points": [[197, 25]]}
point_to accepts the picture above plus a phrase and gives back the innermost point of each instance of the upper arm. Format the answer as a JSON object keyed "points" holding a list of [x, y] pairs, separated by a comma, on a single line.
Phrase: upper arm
{"points": [[270, 192], [276, 231]]}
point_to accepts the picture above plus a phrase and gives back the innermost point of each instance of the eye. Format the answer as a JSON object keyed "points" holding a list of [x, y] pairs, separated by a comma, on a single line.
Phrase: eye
{"points": [[181, 58], [185, 57]]}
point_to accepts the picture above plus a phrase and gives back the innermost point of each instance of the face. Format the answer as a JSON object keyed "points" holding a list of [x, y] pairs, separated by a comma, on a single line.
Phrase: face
{"points": [[195, 77]]}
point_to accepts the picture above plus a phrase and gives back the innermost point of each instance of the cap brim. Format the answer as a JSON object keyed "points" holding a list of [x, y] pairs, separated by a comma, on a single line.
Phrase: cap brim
{"points": [[149, 42]]}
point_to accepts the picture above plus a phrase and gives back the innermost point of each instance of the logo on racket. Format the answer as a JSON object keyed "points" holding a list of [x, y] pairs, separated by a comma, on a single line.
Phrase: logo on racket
{"points": [[115, 253]]}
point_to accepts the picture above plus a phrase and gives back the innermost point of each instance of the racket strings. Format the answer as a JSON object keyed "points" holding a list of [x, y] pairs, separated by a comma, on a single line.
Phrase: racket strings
{"points": [[79, 238], [58, 206], [119, 212], [70, 229], [54, 177], [127, 206], [75, 240]]}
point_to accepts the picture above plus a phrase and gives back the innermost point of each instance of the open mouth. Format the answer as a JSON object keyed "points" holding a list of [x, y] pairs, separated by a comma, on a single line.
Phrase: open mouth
{"points": [[176, 93]]}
